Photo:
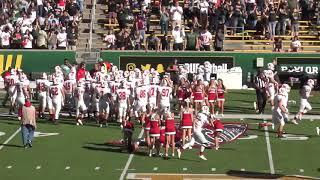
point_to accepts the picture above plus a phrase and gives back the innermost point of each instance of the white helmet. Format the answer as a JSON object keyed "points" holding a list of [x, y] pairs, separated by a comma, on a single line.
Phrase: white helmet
{"points": [[164, 83], [310, 82], [270, 66], [205, 110], [286, 87], [13, 72], [44, 76]]}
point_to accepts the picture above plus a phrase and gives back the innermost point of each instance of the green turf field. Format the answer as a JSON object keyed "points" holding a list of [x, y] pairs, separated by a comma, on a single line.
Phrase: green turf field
{"points": [[80, 153]]}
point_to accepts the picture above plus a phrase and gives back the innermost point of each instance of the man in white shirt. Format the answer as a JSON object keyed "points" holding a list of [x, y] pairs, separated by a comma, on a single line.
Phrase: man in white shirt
{"points": [[5, 38], [205, 40], [176, 12], [295, 44], [178, 36], [62, 39]]}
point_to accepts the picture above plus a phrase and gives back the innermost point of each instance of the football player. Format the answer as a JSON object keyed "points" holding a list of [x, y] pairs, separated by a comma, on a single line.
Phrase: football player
{"points": [[56, 94], [80, 105], [304, 104], [42, 87]]}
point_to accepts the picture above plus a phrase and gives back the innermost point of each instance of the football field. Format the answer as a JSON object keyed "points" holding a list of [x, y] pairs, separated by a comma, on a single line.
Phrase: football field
{"points": [[66, 151]]}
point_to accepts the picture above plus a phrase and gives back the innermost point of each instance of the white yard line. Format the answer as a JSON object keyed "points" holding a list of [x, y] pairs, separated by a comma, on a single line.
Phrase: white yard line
{"points": [[271, 165], [10, 138], [125, 169]]}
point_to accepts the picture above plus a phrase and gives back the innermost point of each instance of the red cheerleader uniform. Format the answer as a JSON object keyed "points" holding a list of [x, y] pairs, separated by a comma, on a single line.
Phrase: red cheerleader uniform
{"points": [[220, 92], [162, 138], [186, 120], [218, 126], [212, 95], [154, 128], [170, 127], [198, 96], [147, 123]]}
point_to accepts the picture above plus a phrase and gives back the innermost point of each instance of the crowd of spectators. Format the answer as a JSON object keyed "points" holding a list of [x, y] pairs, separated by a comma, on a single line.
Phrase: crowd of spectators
{"points": [[40, 24], [196, 24]]}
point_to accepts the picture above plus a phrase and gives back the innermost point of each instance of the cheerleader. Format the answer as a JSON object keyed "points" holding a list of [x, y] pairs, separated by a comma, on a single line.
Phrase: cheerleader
{"points": [[221, 90], [186, 116], [154, 132], [170, 132], [212, 95]]}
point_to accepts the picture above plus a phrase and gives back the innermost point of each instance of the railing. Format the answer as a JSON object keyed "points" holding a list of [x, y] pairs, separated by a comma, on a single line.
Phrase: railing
{"points": [[93, 13]]}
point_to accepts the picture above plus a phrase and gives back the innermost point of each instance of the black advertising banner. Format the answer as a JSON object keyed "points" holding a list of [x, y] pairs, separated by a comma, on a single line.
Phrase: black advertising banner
{"points": [[160, 63], [298, 66]]}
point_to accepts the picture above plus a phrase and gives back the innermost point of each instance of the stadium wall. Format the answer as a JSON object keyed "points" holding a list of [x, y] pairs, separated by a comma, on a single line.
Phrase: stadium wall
{"points": [[33, 60], [247, 61]]}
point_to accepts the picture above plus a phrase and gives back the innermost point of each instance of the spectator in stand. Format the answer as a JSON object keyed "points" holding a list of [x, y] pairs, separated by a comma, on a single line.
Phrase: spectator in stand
{"points": [[52, 40], [272, 18], [147, 16], [40, 8], [80, 5], [140, 25], [62, 39], [123, 40], [42, 39], [176, 13], [187, 13], [294, 17], [212, 17], [164, 20], [203, 6], [192, 40], [253, 17], [218, 40], [16, 38], [73, 8], [64, 19], [153, 43], [205, 40], [110, 40], [278, 45], [178, 38], [72, 37], [165, 43], [27, 40], [195, 13], [5, 38], [236, 15], [283, 18], [112, 12], [295, 44]]}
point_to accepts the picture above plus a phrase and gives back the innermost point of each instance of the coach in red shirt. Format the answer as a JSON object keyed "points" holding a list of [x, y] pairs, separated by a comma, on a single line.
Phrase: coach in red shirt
{"points": [[81, 71]]}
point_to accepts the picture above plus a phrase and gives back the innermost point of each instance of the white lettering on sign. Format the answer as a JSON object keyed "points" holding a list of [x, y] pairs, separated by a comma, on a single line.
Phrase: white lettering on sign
{"points": [[193, 67], [300, 69]]}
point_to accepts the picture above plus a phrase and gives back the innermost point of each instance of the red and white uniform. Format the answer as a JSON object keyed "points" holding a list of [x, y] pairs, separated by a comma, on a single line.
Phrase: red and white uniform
{"points": [[270, 85], [200, 121], [20, 94], [154, 126], [95, 96], [147, 123], [162, 134], [170, 127], [12, 80], [212, 94], [114, 86], [56, 96], [68, 86], [220, 93], [88, 91], [123, 96], [165, 96], [304, 95], [79, 99], [42, 86], [198, 95], [218, 126], [183, 93], [206, 38], [186, 120], [142, 98], [152, 94]]}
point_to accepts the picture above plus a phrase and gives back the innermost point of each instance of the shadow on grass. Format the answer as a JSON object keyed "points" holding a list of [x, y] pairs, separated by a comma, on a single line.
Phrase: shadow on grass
{"points": [[254, 175], [11, 145]]}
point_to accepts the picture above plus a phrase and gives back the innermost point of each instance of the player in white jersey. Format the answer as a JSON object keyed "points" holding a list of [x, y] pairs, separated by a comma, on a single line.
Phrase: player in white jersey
{"points": [[88, 96], [272, 85], [123, 102], [104, 103], [164, 95], [42, 87], [280, 111], [81, 107], [22, 90], [200, 121], [69, 87], [12, 80], [114, 85], [96, 87], [152, 95], [141, 96], [305, 106], [56, 94]]}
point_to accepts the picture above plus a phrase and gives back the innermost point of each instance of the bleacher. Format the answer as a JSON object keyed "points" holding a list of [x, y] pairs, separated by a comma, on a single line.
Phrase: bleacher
{"points": [[247, 40]]}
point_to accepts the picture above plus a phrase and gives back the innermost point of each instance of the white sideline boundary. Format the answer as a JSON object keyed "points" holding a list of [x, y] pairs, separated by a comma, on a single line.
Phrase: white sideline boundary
{"points": [[271, 164], [126, 167], [10, 138]]}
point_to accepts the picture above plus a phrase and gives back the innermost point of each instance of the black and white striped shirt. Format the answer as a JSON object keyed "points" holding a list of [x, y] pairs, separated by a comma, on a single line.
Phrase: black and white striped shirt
{"points": [[259, 82]]}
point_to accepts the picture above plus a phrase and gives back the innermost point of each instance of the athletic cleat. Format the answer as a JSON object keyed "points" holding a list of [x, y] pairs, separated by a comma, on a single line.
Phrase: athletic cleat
{"points": [[318, 130], [150, 154], [190, 147], [101, 125], [294, 122], [80, 122], [203, 157], [179, 153], [77, 124], [217, 148], [172, 155]]}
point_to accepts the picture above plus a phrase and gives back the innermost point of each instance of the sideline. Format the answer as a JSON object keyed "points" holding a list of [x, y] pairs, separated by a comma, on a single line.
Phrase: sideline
{"points": [[271, 165]]}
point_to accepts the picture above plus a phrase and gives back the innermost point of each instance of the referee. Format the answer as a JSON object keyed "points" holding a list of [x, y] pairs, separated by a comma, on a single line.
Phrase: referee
{"points": [[260, 83]]}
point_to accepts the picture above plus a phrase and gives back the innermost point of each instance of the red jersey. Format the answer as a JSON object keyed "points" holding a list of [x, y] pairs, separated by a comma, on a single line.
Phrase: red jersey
{"points": [[186, 122], [212, 94], [128, 126], [170, 127], [183, 93], [162, 135], [220, 92], [147, 123], [218, 126], [154, 128]]}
